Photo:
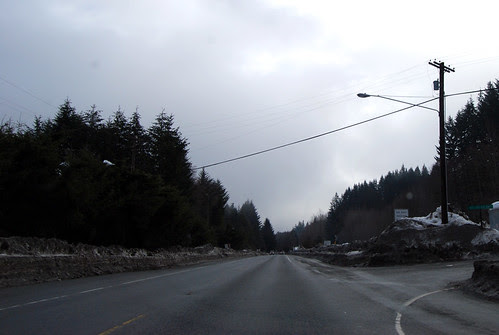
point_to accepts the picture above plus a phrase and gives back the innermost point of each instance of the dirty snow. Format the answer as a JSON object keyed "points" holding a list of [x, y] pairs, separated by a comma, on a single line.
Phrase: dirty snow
{"points": [[435, 219], [354, 253], [486, 237]]}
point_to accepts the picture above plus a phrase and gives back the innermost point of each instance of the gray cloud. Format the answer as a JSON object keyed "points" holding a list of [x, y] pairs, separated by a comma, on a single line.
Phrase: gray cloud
{"points": [[245, 76]]}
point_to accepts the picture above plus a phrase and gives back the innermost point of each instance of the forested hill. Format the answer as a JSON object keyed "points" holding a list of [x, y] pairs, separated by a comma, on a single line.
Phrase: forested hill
{"points": [[83, 179], [364, 210]]}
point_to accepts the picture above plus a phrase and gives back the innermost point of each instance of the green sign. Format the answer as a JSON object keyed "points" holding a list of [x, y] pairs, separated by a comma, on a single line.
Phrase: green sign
{"points": [[479, 207]]}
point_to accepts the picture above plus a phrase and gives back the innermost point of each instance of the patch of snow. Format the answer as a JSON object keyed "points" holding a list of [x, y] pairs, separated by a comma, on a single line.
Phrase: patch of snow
{"points": [[414, 224], [36, 255], [55, 255], [486, 237], [354, 253], [435, 219]]}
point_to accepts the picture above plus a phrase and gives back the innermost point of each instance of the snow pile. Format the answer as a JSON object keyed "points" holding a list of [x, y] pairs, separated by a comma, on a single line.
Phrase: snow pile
{"points": [[51, 247], [426, 239], [429, 230], [431, 220], [486, 237], [354, 253], [26, 260], [435, 219], [415, 240]]}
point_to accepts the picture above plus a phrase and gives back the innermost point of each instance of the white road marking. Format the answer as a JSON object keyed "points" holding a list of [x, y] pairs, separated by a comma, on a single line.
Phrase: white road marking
{"points": [[288, 259], [97, 289], [398, 319], [33, 302], [10, 307], [398, 327], [160, 276], [94, 289]]}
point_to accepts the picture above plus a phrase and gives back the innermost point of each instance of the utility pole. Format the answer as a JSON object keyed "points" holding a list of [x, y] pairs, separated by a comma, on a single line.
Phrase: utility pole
{"points": [[443, 165]]}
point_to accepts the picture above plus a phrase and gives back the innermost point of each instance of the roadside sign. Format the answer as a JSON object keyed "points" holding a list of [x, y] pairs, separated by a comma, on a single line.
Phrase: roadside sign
{"points": [[401, 213], [480, 207]]}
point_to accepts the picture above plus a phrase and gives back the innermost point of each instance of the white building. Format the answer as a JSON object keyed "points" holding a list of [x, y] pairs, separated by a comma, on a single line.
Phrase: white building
{"points": [[494, 215]]}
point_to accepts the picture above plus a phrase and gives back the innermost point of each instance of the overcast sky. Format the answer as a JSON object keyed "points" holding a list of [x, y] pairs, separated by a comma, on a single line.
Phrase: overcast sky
{"points": [[244, 76]]}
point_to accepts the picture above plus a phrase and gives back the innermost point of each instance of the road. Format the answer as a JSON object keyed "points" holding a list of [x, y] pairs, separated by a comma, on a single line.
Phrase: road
{"points": [[276, 294]]}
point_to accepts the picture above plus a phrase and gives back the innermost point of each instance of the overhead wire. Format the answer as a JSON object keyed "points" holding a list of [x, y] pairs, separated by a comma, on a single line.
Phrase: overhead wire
{"points": [[251, 132], [262, 116], [27, 92], [476, 61], [15, 106], [279, 117], [274, 118], [333, 131], [311, 137]]}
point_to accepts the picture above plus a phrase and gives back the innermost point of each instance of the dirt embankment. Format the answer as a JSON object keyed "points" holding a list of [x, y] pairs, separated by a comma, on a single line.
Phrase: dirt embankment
{"points": [[411, 241], [485, 280], [28, 260], [424, 240]]}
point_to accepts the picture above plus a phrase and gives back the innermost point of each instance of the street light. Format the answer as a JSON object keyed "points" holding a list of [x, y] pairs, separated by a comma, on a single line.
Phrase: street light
{"points": [[365, 95], [443, 177]]}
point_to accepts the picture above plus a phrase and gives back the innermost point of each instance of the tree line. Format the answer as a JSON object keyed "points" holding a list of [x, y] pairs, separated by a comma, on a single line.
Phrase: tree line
{"points": [[84, 179], [364, 210]]}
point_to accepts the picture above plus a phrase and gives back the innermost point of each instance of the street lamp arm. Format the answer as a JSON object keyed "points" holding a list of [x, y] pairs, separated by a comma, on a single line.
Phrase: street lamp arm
{"points": [[365, 95]]}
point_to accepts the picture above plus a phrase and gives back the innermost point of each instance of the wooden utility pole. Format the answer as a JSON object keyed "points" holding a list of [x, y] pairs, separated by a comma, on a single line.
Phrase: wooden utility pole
{"points": [[443, 165]]}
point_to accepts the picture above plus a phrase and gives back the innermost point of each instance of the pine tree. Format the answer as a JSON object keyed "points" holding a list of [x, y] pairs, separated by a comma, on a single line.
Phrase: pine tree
{"points": [[139, 141], [68, 130], [252, 224], [209, 199], [268, 236], [169, 153]]}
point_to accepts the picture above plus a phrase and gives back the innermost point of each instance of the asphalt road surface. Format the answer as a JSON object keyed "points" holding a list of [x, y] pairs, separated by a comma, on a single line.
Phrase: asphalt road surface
{"points": [[260, 295]]}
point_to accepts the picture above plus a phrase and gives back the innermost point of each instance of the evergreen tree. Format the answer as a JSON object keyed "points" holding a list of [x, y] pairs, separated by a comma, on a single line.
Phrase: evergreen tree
{"points": [[68, 130], [473, 157], [251, 224], [169, 153], [118, 139], [268, 236], [209, 199], [139, 141], [235, 228]]}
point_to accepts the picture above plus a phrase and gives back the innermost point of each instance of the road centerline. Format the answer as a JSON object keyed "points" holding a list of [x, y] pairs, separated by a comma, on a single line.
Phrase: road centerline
{"points": [[126, 323]]}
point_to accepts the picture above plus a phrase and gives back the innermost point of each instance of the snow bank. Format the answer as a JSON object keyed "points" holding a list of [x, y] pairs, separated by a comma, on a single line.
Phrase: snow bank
{"points": [[435, 219], [486, 237], [27, 260], [354, 253]]}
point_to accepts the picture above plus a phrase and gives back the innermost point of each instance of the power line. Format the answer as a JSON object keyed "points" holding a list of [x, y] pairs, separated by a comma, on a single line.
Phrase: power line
{"points": [[27, 92], [470, 92], [332, 131], [310, 103], [311, 137]]}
